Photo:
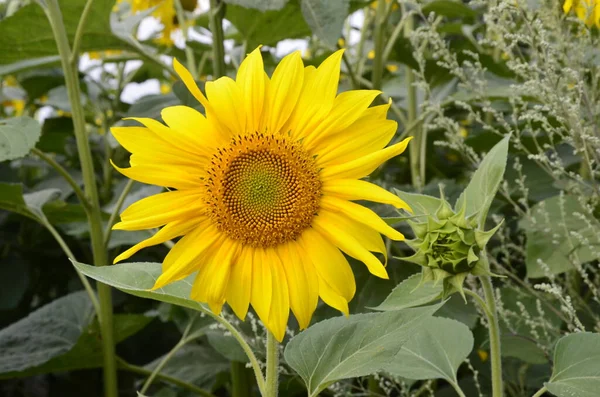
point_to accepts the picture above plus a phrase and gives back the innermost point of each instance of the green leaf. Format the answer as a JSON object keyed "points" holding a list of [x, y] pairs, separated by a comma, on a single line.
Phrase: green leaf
{"points": [[29, 64], [449, 8], [419, 203], [341, 348], [576, 370], [88, 351], [48, 332], [17, 45], [550, 236], [408, 294], [268, 27], [435, 352], [11, 199], [325, 18], [261, 5], [18, 136], [138, 277], [485, 181], [227, 346], [525, 349], [36, 200], [193, 364]]}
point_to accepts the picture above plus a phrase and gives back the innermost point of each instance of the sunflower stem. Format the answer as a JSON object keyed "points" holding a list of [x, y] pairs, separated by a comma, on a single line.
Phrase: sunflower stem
{"points": [[494, 334], [380, 19], [216, 27], [415, 147], [68, 62], [189, 53], [272, 380]]}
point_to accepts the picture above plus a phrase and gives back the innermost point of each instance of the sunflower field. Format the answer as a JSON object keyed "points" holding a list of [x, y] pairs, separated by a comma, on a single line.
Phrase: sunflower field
{"points": [[239, 198]]}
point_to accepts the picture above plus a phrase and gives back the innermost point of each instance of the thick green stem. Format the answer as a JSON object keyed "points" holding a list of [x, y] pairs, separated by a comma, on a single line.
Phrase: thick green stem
{"points": [[494, 333], [540, 392], [380, 20], [69, 65], [272, 380], [189, 53], [216, 27], [240, 380], [414, 147]]}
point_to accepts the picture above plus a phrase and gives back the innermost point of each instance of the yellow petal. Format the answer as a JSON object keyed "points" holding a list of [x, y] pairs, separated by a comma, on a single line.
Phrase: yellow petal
{"points": [[161, 175], [355, 189], [228, 104], [329, 263], [302, 285], [192, 130], [363, 166], [360, 214], [261, 285], [317, 95], [280, 301], [331, 298], [184, 257], [157, 210], [567, 5], [347, 108], [283, 92], [189, 82], [333, 227], [169, 231], [211, 283], [251, 80], [362, 138], [239, 288]]}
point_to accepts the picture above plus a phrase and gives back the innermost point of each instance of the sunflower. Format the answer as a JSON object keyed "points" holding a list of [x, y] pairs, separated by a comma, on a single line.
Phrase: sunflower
{"points": [[262, 188], [587, 11]]}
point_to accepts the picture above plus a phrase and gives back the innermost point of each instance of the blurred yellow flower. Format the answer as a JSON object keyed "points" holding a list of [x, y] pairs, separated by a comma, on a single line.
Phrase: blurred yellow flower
{"points": [[483, 355], [103, 54], [166, 13], [165, 88], [371, 54], [587, 11], [391, 67], [342, 43], [374, 4]]}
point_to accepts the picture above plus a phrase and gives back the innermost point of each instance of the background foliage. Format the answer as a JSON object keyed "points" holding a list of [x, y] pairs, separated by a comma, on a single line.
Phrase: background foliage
{"points": [[461, 76]]}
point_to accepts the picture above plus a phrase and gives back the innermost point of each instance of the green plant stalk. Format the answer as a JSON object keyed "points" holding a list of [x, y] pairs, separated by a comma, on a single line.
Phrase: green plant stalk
{"points": [[494, 333], [216, 27], [161, 365], [380, 22], [240, 382], [414, 147], [540, 392], [116, 210], [272, 378], [69, 65], [166, 378], [189, 53]]}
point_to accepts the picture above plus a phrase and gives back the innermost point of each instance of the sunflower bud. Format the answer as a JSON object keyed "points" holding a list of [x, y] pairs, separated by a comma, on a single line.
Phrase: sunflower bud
{"points": [[449, 245]]}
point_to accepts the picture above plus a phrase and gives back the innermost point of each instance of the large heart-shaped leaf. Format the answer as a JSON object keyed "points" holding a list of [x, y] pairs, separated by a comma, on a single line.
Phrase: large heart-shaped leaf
{"points": [[576, 370], [18, 136], [408, 294], [341, 348]]}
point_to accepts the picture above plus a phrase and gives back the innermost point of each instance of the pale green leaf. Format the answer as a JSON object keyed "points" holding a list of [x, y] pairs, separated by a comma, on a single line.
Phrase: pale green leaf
{"points": [[341, 348], [18, 136], [325, 18], [435, 352], [576, 370], [409, 294], [261, 5], [485, 181]]}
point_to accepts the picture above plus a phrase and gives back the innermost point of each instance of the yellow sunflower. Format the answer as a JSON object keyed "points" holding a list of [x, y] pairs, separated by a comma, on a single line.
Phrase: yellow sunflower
{"points": [[587, 11], [262, 188]]}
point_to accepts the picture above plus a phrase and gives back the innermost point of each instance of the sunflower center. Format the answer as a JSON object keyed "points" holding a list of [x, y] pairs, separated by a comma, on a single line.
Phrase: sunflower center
{"points": [[263, 190]]}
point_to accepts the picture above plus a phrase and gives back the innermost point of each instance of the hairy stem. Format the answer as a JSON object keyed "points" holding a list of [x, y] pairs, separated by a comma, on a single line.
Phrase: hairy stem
{"points": [[494, 333], [272, 381], [216, 27], [69, 65], [414, 147]]}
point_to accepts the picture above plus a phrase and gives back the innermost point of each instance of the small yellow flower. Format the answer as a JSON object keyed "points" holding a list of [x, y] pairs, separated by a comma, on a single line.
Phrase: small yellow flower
{"points": [[17, 106], [463, 132], [103, 54], [392, 68], [341, 43], [371, 54], [483, 355], [166, 13], [587, 11], [263, 188], [374, 4], [165, 88]]}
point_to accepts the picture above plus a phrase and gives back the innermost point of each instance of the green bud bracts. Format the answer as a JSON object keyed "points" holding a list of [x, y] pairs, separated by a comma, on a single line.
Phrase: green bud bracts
{"points": [[449, 246]]}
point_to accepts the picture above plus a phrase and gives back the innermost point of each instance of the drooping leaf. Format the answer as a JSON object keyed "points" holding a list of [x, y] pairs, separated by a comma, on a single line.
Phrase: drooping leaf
{"points": [[435, 352], [48, 332], [18, 136], [550, 236], [137, 279], [576, 366], [325, 18], [261, 5], [341, 348], [11, 199], [408, 294], [485, 181]]}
